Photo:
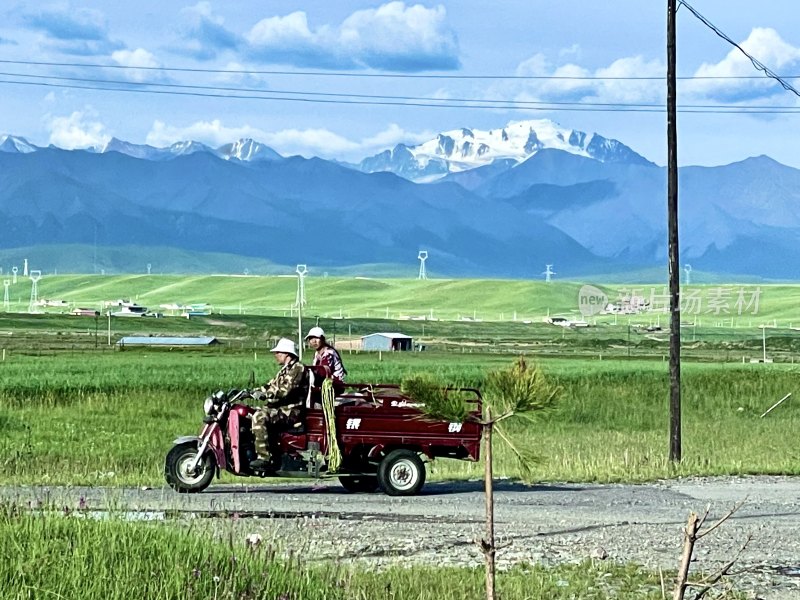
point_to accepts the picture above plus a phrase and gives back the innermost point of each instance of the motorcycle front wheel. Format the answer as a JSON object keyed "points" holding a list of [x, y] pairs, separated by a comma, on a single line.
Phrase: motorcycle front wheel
{"points": [[178, 475]]}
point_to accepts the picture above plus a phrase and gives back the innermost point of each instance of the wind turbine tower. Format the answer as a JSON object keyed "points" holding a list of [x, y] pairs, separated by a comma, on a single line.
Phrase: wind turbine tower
{"points": [[6, 302], [688, 270], [300, 300], [14, 271], [422, 256], [25, 268], [35, 276], [548, 273]]}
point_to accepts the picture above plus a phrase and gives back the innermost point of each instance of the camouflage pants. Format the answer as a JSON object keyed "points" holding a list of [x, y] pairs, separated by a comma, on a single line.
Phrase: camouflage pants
{"points": [[267, 422]]}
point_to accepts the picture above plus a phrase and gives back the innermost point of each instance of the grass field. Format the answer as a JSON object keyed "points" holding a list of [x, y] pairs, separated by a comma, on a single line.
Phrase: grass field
{"points": [[40, 334], [71, 555], [110, 418], [74, 410], [494, 300]]}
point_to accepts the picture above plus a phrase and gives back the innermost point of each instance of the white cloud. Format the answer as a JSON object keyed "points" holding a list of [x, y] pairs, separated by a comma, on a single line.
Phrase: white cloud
{"points": [[535, 66], [241, 78], [78, 130], [569, 81], [396, 32], [393, 36], [391, 136], [276, 30], [327, 144], [764, 44], [622, 86], [310, 142], [212, 133], [136, 59], [633, 90]]}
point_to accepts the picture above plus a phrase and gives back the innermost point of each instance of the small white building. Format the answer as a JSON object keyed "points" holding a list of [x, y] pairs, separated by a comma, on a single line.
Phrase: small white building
{"points": [[387, 342]]}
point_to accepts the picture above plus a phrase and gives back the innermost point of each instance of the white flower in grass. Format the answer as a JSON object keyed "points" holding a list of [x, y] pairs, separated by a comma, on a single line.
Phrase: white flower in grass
{"points": [[254, 539], [216, 578]]}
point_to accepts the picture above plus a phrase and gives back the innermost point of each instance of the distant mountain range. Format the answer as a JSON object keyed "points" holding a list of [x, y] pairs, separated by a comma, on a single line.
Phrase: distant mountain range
{"points": [[503, 202], [243, 150], [466, 149]]}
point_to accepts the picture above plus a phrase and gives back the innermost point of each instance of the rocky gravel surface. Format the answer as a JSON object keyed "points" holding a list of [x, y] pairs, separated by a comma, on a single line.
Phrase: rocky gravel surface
{"points": [[548, 523]]}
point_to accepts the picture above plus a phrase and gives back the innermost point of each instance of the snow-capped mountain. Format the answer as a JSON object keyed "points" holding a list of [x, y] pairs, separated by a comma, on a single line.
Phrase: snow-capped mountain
{"points": [[147, 152], [188, 147], [464, 149], [247, 150], [17, 145], [135, 150]]}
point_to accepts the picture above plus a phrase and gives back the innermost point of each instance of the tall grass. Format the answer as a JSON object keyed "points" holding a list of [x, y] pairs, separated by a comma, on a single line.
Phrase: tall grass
{"points": [[72, 421], [73, 556]]}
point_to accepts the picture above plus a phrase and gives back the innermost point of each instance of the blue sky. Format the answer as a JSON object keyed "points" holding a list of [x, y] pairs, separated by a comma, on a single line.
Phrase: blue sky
{"points": [[246, 42]]}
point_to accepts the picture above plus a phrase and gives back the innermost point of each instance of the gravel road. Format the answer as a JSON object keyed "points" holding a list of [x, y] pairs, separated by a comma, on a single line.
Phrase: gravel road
{"points": [[548, 523]]}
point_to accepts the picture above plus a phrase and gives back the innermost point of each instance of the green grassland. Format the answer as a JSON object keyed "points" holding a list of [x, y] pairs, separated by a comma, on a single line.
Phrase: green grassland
{"points": [[127, 406], [485, 299], [719, 322], [24, 334], [71, 555], [75, 410], [110, 418]]}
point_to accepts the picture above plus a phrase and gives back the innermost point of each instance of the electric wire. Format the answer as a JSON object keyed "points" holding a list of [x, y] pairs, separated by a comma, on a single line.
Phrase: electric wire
{"points": [[756, 63], [510, 105], [378, 75], [134, 84]]}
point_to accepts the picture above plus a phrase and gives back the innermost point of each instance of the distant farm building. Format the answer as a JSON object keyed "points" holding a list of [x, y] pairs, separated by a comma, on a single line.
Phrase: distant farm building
{"points": [[167, 341], [387, 342]]}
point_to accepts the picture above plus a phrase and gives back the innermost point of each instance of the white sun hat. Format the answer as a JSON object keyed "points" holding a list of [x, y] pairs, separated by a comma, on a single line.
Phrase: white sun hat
{"points": [[315, 332], [285, 345]]}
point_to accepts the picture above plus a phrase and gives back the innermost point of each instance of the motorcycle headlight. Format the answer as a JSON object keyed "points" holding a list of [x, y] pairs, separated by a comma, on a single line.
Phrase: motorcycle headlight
{"points": [[208, 405]]}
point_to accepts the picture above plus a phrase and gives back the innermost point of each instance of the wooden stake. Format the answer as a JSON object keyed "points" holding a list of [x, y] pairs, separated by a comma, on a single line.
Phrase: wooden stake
{"points": [[689, 539], [487, 545]]}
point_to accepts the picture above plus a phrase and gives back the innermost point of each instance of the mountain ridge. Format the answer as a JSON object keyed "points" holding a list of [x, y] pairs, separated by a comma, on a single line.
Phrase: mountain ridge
{"points": [[503, 217]]}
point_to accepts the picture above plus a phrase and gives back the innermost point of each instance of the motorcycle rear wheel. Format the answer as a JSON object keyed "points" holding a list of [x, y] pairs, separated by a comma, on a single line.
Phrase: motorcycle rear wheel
{"points": [[176, 469]]}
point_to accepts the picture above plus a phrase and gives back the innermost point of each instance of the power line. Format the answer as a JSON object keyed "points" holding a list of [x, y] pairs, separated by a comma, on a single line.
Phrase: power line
{"points": [[510, 105], [506, 102], [377, 75], [756, 63]]}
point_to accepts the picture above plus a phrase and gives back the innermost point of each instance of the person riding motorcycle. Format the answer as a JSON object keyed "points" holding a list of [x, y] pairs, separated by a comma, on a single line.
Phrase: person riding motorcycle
{"points": [[284, 397], [327, 361]]}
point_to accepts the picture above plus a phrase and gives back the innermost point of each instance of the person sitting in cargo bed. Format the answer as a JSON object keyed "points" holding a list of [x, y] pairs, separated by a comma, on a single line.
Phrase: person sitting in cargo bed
{"points": [[327, 361]]}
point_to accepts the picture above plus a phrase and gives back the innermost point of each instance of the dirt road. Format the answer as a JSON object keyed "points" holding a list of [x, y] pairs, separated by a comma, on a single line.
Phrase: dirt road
{"points": [[548, 523]]}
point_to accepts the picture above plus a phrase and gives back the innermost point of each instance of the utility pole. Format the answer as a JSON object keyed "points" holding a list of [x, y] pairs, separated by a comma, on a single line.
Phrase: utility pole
{"points": [[672, 228]]}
